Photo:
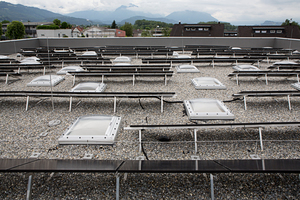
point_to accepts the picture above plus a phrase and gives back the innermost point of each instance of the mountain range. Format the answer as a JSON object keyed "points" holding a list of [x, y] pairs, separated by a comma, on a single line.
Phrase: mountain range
{"points": [[121, 15]]}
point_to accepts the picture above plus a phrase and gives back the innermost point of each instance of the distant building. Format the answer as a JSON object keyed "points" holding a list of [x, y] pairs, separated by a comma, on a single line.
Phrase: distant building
{"points": [[197, 30], [99, 32], [77, 31], [54, 33], [30, 28], [230, 33], [269, 31]]}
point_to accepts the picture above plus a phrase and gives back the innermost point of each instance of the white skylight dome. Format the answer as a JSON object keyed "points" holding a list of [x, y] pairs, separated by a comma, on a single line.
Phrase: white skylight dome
{"points": [[90, 53], [92, 129], [45, 80], [3, 57], [177, 55], [208, 83], [186, 68], [207, 109], [122, 59], [245, 68], [236, 48], [285, 62], [296, 86], [33, 58], [64, 71], [89, 87]]}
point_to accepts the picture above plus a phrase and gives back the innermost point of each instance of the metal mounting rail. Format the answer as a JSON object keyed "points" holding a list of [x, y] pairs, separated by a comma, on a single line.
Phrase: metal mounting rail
{"points": [[72, 95], [196, 127]]}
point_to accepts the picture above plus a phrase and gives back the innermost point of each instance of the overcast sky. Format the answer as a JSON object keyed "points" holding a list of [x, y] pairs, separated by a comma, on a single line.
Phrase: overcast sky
{"points": [[232, 11]]}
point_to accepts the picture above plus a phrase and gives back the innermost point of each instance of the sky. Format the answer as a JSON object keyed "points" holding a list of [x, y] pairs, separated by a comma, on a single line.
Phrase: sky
{"points": [[246, 11]]}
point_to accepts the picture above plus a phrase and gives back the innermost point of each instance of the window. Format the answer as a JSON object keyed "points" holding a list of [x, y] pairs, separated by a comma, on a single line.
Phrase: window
{"points": [[272, 31], [187, 29], [200, 29], [42, 34], [257, 31], [206, 29], [279, 31], [264, 31], [193, 29]]}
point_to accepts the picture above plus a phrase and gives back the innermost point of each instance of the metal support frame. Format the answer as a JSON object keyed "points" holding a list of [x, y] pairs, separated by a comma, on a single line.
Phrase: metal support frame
{"points": [[27, 102], [44, 72], [162, 104], [245, 103], [288, 97], [29, 187], [133, 79], [102, 78], [195, 139], [213, 63], [74, 79], [70, 107], [117, 186], [6, 80], [237, 79], [115, 104], [212, 187], [260, 138], [140, 140], [165, 79], [266, 76]]}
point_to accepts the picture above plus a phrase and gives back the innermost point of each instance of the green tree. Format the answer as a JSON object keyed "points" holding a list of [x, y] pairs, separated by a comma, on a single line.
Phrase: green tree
{"points": [[56, 22], [5, 21], [15, 30], [166, 31], [64, 25], [290, 22], [114, 25], [1, 29], [128, 28]]}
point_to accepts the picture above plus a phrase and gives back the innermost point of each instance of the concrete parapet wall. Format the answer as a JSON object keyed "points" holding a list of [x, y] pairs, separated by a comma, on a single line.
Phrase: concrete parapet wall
{"points": [[14, 46]]}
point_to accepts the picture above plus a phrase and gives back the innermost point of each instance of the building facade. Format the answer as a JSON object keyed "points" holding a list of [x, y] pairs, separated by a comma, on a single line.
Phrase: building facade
{"points": [[197, 30]]}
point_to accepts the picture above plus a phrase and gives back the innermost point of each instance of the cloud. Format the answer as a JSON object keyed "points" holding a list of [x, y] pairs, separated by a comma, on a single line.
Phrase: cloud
{"points": [[230, 10]]}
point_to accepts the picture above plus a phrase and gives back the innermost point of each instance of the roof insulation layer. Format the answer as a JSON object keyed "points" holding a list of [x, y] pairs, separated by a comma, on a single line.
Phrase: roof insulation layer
{"points": [[207, 109], [92, 129], [45, 80], [208, 83]]}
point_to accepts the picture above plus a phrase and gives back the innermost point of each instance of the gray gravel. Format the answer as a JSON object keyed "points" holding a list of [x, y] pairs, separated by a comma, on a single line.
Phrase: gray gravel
{"points": [[21, 136]]}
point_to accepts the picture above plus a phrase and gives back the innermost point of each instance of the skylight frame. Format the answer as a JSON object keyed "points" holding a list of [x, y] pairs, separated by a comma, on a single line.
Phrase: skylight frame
{"points": [[108, 138], [208, 86], [99, 87], [224, 113], [187, 69], [245, 68]]}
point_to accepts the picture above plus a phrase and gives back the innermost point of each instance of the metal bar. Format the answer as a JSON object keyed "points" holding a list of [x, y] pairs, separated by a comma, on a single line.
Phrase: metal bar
{"points": [[162, 104], [213, 63], [140, 140], [29, 188], [70, 107], [44, 70], [288, 96], [260, 138], [237, 79], [195, 139], [266, 79], [27, 102], [117, 186], [102, 78], [74, 79], [115, 104], [165, 79], [6, 80], [212, 187], [133, 79], [298, 78], [245, 103]]}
